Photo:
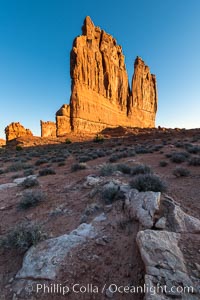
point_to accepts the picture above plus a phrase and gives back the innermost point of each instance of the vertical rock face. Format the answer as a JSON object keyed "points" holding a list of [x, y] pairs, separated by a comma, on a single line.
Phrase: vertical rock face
{"points": [[100, 95], [63, 123], [15, 130], [143, 98], [48, 129]]}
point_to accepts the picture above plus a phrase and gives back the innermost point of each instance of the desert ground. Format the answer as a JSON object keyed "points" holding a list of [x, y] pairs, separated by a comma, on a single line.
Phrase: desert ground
{"points": [[67, 197]]}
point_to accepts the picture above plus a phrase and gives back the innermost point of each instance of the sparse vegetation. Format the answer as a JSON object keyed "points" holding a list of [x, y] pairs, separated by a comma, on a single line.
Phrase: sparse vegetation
{"points": [[181, 172], [109, 195], [99, 138], [46, 171], [19, 148], [179, 157], [194, 161], [41, 161], [17, 166], [124, 168], [107, 169], [29, 182], [141, 169], [68, 141], [163, 163], [31, 198], [22, 237], [78, 166], [148, 182]]}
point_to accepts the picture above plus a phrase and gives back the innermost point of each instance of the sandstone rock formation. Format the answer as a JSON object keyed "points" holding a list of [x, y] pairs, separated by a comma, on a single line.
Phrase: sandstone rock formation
{"points": [[48, 129], [15, 130], [101, 96]]}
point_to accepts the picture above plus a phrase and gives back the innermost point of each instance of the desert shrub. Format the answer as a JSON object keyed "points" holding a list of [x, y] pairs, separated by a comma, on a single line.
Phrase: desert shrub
{"points": [[124, 168], [41, 161], [179, 157], [19, 148], [77, 167], [68, 141], [99, 138], [29, 172], [84, 158], [148, 182], [100, 153], [47, 171], [179, 145], [131, 152], [18, 166], [114, 158], [141, 169], [110, 194], [181, 172], [61, 164], [1, 171], [57, 159], [141, 150], [22, 237], [163, 163], [31, 198], [193, 149], [107, 169], [194, 161], [29, 182]]}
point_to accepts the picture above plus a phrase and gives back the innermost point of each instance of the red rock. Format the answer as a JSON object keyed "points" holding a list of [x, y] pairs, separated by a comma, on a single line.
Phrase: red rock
{"points": [[48, 129], [15, 130], [100, 95]]}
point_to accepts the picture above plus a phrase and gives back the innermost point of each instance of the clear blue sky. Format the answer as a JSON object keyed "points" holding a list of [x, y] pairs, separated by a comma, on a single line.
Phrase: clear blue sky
{"points": [[36, 38]]}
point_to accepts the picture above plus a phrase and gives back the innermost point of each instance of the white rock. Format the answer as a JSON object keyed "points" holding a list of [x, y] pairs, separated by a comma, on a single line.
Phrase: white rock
{"points": [[44, 260], [142, 206]]}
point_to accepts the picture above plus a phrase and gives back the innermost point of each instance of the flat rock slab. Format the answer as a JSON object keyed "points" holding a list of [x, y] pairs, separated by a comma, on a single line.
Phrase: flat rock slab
{"points": [[165, 266], [44, 260]]}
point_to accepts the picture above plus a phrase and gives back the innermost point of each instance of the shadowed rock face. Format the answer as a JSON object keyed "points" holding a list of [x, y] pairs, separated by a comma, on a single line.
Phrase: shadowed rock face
{"points": [[15, 130], [101, 96]]}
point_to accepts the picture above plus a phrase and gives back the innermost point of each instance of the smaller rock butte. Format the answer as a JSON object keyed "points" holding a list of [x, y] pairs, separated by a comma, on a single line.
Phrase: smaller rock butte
{"points": [[48, 129], [100, 92], [15, 130]]}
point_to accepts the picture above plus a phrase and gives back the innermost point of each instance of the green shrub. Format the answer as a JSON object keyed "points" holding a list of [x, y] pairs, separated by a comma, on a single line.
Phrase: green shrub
{"points": [[31, 198], [22, 237], [68, 141], [19, 148], [148, 182], [181, 172], [141, 169], [99, 138]]}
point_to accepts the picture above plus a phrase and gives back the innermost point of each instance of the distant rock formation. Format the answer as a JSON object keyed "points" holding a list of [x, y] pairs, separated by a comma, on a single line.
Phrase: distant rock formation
{"points": [[15, 130], [48, 129], [2, 142], [101, 96]]}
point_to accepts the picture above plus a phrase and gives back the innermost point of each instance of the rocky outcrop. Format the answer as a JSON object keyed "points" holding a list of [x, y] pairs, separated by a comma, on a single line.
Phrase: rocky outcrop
{"points": [[101, 96], [15, 130], [63, 123], [48, 129]]}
